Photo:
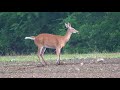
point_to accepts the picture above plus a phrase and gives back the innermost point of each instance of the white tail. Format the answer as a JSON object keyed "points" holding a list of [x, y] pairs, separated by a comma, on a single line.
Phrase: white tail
{"points": [[32, 38], [57, 42]]}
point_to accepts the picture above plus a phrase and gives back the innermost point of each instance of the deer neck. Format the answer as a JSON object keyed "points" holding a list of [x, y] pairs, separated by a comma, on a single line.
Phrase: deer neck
{"points": [[67, 36]]}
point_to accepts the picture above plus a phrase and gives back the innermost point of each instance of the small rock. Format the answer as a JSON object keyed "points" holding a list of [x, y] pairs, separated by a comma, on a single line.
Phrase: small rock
{"points": [[12, 60], [77, 69], [100, 60], [81, 63]]}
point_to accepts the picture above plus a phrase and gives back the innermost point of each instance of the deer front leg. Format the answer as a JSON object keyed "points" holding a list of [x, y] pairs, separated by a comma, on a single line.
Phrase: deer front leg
{"points": [[58, 50]]}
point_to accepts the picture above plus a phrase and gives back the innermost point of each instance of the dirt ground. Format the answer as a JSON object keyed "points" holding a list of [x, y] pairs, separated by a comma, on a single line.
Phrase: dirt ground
{"points": [[78, 68]]}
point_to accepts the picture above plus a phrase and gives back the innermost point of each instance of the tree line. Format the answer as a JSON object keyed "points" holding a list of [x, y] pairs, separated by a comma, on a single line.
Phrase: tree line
{"points": [[99, 31]]}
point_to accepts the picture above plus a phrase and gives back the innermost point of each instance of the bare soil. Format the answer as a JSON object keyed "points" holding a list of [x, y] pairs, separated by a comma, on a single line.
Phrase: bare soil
{"points": [[78, 68]]}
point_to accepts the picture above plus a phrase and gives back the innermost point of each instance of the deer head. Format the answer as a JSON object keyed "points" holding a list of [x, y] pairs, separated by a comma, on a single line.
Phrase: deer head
{"points": [[71, 29]]}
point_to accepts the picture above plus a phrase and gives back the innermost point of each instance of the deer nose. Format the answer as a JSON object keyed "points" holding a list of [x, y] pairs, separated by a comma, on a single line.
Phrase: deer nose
{"points": [[77, 32]]}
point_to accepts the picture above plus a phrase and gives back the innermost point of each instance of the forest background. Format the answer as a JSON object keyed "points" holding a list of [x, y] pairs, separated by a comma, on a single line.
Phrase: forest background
{"points": [[99, 31]]}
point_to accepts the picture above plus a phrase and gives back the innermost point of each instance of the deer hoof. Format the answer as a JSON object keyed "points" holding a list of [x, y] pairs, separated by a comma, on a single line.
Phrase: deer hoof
{"points": [[58, 63]]}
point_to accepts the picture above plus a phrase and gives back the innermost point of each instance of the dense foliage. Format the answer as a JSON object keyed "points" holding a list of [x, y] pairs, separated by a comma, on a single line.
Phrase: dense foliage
{"points": [[99, 31]]}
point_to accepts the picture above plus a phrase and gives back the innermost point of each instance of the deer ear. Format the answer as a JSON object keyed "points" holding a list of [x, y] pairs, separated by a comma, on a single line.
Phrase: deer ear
{"points": [[69, 24], [66, 25]]}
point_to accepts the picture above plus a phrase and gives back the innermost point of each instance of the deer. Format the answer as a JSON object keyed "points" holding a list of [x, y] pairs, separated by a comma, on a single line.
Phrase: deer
{"points": [[57, 42]]}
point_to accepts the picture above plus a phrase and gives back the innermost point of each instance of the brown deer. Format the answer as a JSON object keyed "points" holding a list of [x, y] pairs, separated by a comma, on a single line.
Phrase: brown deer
{"points": [[57, 42]]}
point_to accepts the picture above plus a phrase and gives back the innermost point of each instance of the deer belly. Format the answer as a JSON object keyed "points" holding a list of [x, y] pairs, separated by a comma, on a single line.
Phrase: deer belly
{"points": [[49, 47]]}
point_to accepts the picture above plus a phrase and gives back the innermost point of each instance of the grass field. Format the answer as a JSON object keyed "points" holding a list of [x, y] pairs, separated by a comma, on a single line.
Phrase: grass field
{"points": [[33, 57]]}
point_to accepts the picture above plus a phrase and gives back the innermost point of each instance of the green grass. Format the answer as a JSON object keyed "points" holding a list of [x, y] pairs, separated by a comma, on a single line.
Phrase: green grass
{"points": [[33, 57]]}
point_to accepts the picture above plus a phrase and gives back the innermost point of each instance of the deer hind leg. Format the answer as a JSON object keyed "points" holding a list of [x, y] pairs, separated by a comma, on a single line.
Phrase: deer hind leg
{"points": [[58, 50], [40, 53]]}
